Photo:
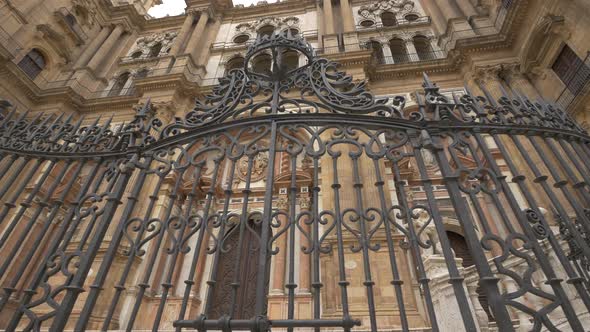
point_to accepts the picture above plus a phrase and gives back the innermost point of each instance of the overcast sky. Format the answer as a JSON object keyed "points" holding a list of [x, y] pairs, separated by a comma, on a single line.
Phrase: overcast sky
{"points": [[176, 7]]}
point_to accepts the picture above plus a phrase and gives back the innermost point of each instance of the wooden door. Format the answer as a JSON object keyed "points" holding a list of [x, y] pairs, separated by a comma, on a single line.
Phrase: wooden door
{"points": [[248, 255]]}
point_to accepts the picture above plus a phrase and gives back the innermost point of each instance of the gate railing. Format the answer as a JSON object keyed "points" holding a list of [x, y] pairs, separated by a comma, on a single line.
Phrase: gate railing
{"points": [[296, 201]]}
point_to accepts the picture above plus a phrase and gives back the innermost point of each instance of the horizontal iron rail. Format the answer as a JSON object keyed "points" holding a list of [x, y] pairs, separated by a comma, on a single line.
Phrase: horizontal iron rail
{"points": [[257, 323], [312, 120]]}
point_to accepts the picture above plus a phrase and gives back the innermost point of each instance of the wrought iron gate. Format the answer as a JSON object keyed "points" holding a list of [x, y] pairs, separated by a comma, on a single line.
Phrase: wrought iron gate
{"points": [[296, 200]]}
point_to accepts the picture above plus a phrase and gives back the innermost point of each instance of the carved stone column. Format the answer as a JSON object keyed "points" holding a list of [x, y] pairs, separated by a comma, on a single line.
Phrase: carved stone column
{"points": [[197, 35], [278, 273], [387, 54], [208, 39], [411, 49], [512, 287], [443, 295], [106, 47], [92, 48], [184, 31], [328, 17], [165, 110], [304, 260], [519, 81], [489, 78], [347, 19], [480, 313]]}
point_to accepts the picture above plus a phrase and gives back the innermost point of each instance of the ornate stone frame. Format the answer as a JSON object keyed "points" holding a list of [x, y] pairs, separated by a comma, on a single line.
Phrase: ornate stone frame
{"points": [[250, 29]]}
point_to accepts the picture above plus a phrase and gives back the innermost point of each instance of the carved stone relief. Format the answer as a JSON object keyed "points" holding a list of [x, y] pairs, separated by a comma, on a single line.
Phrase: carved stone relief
{"points": [[250, 28], [85, 11], [143, 46], [258, 171], [398, 7]]}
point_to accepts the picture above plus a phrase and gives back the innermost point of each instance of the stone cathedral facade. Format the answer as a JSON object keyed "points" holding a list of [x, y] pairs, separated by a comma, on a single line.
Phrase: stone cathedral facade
{"points": [[108, 64]]}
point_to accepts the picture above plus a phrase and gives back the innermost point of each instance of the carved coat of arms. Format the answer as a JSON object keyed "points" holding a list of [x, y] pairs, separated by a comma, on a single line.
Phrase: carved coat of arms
{"points": [[259, 166]]}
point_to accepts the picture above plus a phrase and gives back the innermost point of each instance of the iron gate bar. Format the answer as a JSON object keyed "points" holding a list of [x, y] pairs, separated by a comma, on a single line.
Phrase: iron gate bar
{"points": [[40, 274], [332, 119], [488, 280], [396, 282], [407, 213], [343, 283], [103, 270], [455, 278], [73, 291]]}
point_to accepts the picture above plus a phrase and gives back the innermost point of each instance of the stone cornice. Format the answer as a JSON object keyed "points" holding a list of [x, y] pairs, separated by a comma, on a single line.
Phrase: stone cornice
{"points": [[351, 58], [383, 72], [277, 9], [169, 82], [113, 103]]}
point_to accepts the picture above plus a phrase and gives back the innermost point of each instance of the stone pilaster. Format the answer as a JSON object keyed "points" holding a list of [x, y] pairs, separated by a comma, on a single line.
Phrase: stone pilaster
{"points": [[280, 259], [488, 77], [519, 81], [304, 260], [328, 17], [347, 18]]}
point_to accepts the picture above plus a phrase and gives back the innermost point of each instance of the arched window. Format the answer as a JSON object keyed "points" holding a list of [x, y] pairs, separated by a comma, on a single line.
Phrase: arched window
{"points": [[388, 19], [423, 48], [70, 20], [377, 51], [33, 63], [261, 64], [290, 60], [235, 63], [82, 13], [119, 84], [398, 50], [155, 50], [266, 30]]}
